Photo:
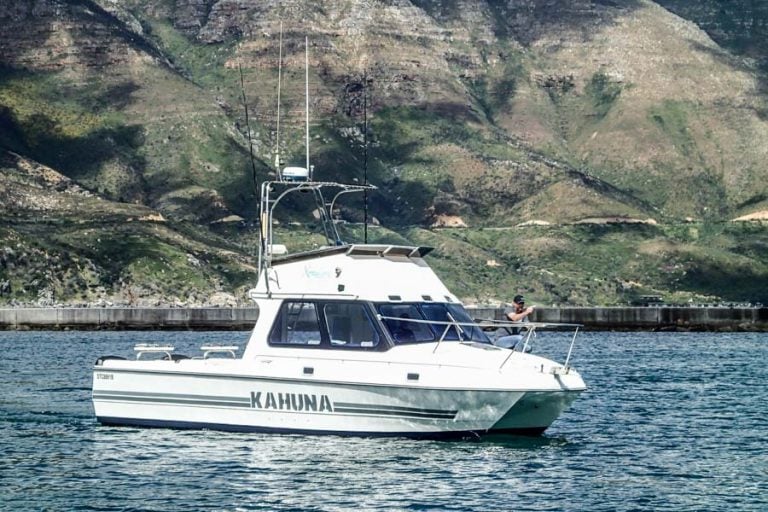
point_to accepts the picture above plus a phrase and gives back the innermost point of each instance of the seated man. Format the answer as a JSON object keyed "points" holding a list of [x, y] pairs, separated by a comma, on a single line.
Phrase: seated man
{"points": [[509, 337]]}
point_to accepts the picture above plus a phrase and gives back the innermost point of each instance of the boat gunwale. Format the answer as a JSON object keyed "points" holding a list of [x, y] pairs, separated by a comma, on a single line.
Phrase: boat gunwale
{"points": [[409, 385]]}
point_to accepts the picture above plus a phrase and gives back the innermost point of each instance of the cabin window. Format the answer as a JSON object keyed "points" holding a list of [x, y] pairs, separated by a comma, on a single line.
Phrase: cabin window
{"points": [[403, 329], [441, 312], [350, 326], [438, 313], [402, 326], [296, 324]]}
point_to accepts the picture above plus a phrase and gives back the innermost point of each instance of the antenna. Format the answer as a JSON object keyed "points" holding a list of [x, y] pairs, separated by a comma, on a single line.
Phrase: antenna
{"points": [[306, 98], [279, 83], [365, 156], [248, 126]]}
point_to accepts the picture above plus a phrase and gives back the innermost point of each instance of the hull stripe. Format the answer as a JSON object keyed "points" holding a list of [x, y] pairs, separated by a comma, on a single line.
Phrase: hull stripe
{"points": [[171, 397], [373, 412], [146, 399], [245, 403], [175, 396], [393, 408], [455, 434]]}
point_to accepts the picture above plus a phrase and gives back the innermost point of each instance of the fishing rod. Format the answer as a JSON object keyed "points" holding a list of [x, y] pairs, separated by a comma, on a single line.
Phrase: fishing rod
{"points": [[248, 127]]}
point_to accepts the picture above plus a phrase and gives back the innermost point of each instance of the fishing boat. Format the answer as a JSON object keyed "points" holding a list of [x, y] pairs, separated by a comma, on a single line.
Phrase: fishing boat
{"points": [[359, 339], [351, 339]]}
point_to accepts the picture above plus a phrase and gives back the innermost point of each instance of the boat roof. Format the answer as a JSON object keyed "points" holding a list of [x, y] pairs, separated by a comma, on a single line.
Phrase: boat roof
{"points": [[380, 273], [355, 250]]}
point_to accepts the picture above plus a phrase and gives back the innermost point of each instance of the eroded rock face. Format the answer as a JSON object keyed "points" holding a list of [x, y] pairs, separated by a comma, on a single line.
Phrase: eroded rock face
{"points": [[483, 111], [741, 25], [52, 35], [190, 16]]}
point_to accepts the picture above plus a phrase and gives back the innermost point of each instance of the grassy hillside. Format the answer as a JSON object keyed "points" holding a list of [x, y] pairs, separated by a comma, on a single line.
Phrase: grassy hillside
{"points": [[625, 137]]}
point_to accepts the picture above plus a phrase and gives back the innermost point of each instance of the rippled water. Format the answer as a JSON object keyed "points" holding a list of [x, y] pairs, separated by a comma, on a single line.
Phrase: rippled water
{"points": [[671, 422]]}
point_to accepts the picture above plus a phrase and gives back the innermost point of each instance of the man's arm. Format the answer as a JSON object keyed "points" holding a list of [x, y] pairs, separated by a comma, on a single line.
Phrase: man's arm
{"points": [[516, 317]]}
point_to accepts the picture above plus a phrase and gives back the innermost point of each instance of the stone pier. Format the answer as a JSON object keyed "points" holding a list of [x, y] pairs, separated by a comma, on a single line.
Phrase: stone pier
{"points": [[129, 318], [648, 318]]}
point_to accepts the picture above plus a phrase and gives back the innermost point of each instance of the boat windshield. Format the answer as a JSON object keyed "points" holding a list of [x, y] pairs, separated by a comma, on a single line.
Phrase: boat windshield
{"points": [[411, 323]]}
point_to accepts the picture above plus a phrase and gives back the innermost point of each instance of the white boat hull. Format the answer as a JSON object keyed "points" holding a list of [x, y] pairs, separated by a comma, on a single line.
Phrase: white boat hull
{"points": [[239, 403], [534, 412]]}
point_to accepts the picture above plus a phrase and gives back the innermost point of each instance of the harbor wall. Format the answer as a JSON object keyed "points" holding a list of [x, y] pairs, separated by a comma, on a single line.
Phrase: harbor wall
{"points": [[129, 318], [600, 318], [648, 318]]}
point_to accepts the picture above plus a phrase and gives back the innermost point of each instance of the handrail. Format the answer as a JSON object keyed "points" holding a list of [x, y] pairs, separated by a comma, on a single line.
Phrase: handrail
{"points": [[453, 323], [448, 325], [459, 330], [529, 326], [304, 295], [531, 333], [570, 349], [219, 349], [434, 322], [482, 322], [153, 348], [442, 337]]}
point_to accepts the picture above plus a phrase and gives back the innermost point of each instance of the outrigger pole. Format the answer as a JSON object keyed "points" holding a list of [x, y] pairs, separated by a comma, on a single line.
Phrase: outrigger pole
{"points": [[248, 127], [278, 164], [306, 99], [365, 156]]}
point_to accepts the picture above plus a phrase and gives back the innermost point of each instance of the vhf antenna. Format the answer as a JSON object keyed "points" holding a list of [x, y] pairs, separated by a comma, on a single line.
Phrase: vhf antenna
{"points": [[279, 83], [306, 98], [365, 155], [248, 126]]}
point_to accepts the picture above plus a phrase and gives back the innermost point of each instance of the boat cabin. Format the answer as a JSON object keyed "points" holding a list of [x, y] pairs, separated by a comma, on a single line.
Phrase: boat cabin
{"points": [[357, 325]]}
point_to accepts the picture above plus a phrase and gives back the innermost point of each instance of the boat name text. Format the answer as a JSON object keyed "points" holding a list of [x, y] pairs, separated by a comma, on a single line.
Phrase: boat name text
{"points": [[291, 401]]}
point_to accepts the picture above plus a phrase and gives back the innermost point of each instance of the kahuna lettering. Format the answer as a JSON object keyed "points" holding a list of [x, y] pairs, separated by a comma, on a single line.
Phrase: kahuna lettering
{"points": [[291, 402]]}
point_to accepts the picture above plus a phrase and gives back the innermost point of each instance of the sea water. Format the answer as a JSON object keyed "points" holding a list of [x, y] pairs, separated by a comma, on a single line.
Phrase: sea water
{"points": [[671, 421]]}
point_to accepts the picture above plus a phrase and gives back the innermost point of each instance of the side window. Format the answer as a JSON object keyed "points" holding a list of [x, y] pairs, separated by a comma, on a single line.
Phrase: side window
{"points": [[350, 326], [296, 324], [401, 328], [438, 313], [474, 332]]}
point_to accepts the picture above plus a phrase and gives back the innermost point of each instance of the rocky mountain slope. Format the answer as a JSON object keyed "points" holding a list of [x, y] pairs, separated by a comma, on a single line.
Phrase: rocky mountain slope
{"points": [[622, 135]]}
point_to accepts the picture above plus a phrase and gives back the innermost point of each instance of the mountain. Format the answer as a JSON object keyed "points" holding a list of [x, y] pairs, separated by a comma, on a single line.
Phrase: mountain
{"points": [[581, 151]]}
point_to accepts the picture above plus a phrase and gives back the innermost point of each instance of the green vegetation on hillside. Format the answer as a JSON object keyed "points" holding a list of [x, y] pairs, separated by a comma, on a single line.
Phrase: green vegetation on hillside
{"points": [[603, 92], [489, 115], [76, 129], [604, 264]]}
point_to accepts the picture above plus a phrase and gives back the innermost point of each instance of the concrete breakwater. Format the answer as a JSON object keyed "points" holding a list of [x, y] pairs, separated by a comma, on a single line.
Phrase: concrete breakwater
{"points": [[649, 318], [129, 318], [598, 318]]}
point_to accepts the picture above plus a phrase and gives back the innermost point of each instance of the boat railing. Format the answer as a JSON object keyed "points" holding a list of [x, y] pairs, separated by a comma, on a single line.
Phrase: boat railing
{"points": [[219, 349], [153, 348], [167, 351], [325, 208], [529, 333], [447, 324], [530, 329]]}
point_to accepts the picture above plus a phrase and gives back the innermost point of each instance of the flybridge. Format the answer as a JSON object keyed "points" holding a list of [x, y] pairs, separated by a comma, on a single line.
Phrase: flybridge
{"points": [[325, 195], [368, 272], [355, 250]]}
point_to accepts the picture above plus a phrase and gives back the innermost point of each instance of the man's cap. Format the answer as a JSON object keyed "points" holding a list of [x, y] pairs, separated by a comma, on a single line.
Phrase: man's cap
{"points": [[519, 299]]}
